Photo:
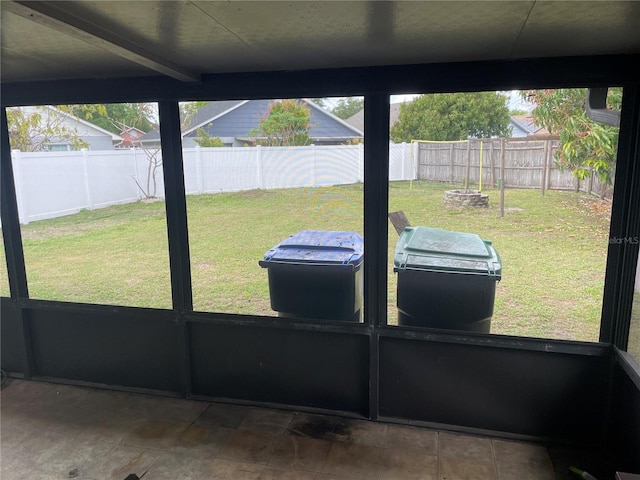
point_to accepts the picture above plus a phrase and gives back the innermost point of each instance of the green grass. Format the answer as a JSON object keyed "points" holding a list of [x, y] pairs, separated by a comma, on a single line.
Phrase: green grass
{"points": [[553, 249]]}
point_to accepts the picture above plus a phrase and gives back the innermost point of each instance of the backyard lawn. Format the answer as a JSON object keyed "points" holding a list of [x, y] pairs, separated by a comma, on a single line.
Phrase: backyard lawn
{"points": [[553, 249]]}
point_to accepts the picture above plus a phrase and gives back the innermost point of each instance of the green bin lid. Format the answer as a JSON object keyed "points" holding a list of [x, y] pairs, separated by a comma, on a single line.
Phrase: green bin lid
{"points": [[431, 249]]}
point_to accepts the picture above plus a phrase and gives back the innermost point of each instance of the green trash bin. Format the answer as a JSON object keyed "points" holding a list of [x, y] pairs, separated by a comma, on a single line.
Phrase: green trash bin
{"points": [[446, 279]]}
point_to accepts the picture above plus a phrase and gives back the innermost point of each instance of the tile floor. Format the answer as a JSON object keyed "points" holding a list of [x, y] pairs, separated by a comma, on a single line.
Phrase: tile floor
{"points": [[59, 432]]}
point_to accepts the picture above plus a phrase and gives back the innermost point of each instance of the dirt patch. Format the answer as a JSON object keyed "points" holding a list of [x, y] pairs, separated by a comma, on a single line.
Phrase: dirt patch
{"points": [[596, 207], [205, 266]]}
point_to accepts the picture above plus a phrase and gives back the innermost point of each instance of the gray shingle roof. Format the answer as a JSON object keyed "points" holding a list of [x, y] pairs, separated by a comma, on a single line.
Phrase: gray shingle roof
{"points": [[212, 110]]}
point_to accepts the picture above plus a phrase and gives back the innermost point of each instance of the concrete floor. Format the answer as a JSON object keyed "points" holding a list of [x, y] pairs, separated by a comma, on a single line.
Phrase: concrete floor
{"points": [[58, 432]]}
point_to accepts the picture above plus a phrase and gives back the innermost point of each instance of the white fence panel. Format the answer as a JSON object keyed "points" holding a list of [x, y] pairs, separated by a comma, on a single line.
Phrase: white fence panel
{"points": [[224, 169], [403, 162], [111, 178], [229, 169], [192, 166], [335, 166], [287, 167], [49, 184]]}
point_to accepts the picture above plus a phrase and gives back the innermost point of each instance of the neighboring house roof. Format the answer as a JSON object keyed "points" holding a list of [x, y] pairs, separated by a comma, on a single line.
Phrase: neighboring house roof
{"points": [[515, 101], [525, 126], [212, 111], [130, 137], [56, 125], [237, 118], [357, 120], [83, 128], [133, 131]]}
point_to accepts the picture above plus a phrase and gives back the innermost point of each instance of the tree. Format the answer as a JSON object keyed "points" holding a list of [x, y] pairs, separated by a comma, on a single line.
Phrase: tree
{"points": [[188, 111], [205, 140], [452, 116], [286, 122], [115, 116], [584, 144], [321, 102], [33, 129], [347, 107]]}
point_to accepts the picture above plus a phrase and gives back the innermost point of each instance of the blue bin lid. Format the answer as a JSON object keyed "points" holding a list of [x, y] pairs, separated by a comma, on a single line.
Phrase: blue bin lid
{"points": [[318, 247], [431, 249]]}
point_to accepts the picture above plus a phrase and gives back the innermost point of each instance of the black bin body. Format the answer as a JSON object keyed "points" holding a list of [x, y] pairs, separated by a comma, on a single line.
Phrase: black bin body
{"points": [[317, 274], [446, 279]]}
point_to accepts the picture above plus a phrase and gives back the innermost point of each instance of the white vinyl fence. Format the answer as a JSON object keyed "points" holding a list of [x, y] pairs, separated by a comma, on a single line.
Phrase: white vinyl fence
{"points": [[53, 184]]}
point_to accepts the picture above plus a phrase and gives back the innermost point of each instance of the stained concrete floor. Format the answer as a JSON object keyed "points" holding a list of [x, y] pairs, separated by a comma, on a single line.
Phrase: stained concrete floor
{"points": [[53, 431]]}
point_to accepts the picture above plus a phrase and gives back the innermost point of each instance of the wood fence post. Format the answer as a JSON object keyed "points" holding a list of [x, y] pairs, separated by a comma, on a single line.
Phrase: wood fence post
{"points": [[502, 182], [466, 176], [549, 164], [453, 176], [543, 180], [480, 167], [590, 184], [492, 172]]}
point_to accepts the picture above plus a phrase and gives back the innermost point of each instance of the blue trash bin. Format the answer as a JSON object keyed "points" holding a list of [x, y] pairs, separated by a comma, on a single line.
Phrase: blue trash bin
{"points": [[317, 274]]}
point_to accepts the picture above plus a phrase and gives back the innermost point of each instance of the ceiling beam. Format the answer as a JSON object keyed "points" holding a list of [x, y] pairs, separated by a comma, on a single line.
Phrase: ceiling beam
{"points": [[51, 15]]}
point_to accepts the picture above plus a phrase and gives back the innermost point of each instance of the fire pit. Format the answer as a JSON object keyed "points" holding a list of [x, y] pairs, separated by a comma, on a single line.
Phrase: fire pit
{"points": [[466, 198]]}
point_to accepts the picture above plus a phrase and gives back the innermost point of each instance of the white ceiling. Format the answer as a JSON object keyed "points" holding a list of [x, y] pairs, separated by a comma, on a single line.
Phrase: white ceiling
{"points": [[184, 39]]}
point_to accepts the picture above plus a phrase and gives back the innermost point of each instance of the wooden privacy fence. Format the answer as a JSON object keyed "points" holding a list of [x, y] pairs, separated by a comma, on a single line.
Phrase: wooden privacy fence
{"points": [[520, 163]]}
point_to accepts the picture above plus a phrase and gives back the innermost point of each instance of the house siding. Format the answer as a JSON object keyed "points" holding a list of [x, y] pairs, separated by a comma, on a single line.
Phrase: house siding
{"points": [[517, 132], [238, 122], [99, 143]]}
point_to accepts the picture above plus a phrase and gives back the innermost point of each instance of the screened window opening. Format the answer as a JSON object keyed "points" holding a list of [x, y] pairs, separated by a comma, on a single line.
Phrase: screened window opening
{"points": [[502, 202], [91, 203], [275, 206]]}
